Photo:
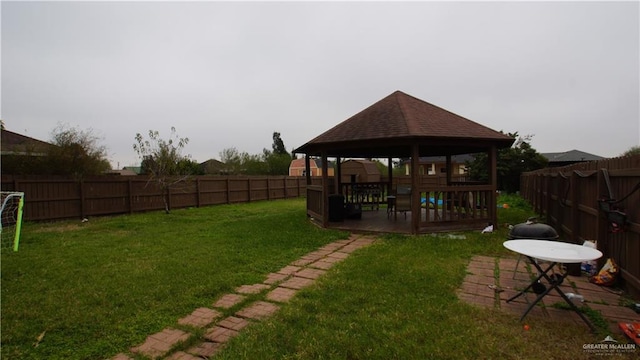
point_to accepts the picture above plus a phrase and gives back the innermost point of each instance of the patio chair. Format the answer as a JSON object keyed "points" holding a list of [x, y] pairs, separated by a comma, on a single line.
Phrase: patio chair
{"points": [[403, 200]]}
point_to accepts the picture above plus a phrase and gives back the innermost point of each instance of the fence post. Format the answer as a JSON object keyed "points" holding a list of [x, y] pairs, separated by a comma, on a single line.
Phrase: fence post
{"points": [[228, 191], [602, 227], [169, 197], [249, 189], [284, 183], [575, 213], [130, 195], [81, 189], [197, 192], [268, 187]]}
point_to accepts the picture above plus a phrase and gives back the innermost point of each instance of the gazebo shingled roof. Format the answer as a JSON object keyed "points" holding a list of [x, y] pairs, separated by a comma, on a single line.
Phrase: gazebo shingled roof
{"points": [[385, 128]]}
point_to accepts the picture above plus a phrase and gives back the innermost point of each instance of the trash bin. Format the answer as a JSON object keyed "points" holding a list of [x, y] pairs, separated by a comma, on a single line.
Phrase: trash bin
{"points": [[353, 211], [336, 207]]}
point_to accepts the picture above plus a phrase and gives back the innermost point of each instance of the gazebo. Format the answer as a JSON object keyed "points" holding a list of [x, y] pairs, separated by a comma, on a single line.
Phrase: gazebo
{"points": [[402, 126]]}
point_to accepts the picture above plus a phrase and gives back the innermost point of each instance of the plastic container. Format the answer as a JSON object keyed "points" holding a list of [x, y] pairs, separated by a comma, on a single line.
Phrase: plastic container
{"points": [[573, 296]]}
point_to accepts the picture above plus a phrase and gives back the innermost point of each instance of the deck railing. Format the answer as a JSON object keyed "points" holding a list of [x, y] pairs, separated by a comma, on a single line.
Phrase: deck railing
{"points": [[314, 201]]}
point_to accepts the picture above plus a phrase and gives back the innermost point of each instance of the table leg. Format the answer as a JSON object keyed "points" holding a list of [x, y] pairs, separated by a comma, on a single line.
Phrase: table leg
{"points": [[541, 274], [553, 284]]}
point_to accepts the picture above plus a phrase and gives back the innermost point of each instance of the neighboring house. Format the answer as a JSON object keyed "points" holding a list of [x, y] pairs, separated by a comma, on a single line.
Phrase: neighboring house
{"points": [[434, 165], [297, 167], [123, 172], [15, 144], [569, 157], [135, 169], [126, 171], [22, 154], [214, 167]]}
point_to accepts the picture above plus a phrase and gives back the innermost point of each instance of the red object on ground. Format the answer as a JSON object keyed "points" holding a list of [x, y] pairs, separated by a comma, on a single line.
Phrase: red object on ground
{"points": [[632, 330]]}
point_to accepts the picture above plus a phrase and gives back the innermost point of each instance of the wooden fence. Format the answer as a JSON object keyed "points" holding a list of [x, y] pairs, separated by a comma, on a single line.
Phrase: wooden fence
{"points": [[51, 198], [598, 200]]}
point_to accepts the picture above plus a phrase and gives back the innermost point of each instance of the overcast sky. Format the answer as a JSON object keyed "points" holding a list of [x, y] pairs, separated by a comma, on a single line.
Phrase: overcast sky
{"points": [[229, 74]]}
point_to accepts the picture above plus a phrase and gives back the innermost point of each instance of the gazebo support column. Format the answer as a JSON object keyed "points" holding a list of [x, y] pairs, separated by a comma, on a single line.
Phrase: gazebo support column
{"points": [[493, 180], [325, 190], [390, 174], [338, 176], [415, 189]]}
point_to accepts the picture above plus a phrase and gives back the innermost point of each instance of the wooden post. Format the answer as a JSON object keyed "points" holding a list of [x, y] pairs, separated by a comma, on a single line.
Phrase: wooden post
{"points": [[389, 175], [415, 189], [602, 226], [575, 212], [286, 192], [169, 198], [493, 178], [130, 195], [197, 192], [325, 190], [268, 188], [82, 205], [338, 175]]}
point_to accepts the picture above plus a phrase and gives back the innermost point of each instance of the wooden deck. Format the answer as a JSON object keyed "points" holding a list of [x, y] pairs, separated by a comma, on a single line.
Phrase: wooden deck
{"points": [[379, 221]]}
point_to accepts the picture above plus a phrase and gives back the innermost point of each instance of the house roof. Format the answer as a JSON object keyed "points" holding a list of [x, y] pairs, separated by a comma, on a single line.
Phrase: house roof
{"points": [[14, 143], [387, 127], [136, 169], [123, 172], [571, 156], [299, 163]]}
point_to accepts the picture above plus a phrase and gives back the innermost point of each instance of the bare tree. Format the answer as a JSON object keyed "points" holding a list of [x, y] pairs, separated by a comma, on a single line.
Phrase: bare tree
{"points": [[162, 159]]}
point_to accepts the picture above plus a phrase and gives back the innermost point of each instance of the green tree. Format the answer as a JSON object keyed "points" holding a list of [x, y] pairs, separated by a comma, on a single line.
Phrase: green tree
{"points": [[277, 164], [163, 161], [232, 159], [511, 162], [254, 165], [634, 150], [278, 145], [190, 167], [278, 160], [270, 162], [76, 152]]}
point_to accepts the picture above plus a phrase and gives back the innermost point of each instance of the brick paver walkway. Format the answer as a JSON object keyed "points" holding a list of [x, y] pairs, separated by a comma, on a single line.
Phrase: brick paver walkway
{"points": [[491, 281], [277, 289]]}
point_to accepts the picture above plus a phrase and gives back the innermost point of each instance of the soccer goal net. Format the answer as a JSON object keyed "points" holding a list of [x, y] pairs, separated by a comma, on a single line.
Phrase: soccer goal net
{"points": [[11, 216]]}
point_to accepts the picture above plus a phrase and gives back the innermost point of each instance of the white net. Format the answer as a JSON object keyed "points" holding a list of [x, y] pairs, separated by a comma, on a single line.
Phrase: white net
{"points": [[11, 219]]}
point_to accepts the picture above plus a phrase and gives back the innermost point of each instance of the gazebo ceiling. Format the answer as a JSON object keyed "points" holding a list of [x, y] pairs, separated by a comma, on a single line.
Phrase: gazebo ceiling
{"points": [[392, 125]]}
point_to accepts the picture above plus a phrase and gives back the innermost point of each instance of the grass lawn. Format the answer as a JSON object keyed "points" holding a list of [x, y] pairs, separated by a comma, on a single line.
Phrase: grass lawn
{"points": [[100, 287], [396, 300]]}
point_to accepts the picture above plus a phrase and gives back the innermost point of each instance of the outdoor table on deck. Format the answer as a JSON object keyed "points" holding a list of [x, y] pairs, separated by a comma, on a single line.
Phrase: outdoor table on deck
{"points": [[556, 253], [391, 204], [368, 195]]}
